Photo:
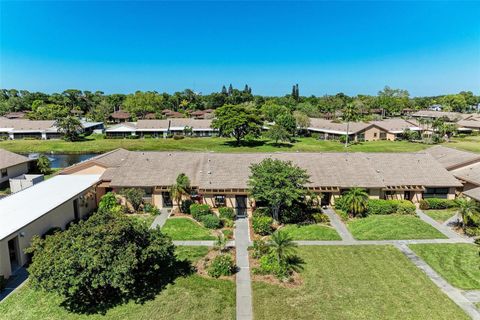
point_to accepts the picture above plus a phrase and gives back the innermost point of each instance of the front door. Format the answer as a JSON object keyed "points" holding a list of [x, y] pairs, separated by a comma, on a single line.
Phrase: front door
{"points": [[326, 197], [407, 195], [167, 200], [13, 254], [76, 214], [241, 202]]}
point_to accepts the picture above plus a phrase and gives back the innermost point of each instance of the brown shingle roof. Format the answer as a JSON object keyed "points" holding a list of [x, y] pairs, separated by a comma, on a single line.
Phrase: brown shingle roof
{"points": [[452, 158], [473, 124], [231, 170], [120, 115], [328, 125], [9, 159], [174, 123], [452, 116], [473, 193], [26, 125], [470, 173], [395, 125]]}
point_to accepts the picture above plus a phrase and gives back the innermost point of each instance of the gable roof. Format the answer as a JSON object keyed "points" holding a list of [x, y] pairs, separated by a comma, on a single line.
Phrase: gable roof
{"points": [[452, 158], [452, 116], [470, 173], [473, 124], [26, 125], [231, 170], [396, 125], [17, 211], [107, 160], [329, 126], [473, 193], [9, 159]]}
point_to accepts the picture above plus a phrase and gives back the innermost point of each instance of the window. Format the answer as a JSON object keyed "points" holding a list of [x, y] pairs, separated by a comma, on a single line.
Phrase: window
{"points": [[383, 136], [361, 137], [374, 134], [219, 201], [3, 173], [436, 193]]}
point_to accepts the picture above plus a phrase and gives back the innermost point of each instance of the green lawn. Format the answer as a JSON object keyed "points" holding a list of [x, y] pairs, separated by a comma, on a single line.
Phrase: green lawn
{"points": [[392, 227], [355, 282], [97, 144], [458, 263], [186, 229], [311, 232], [192, 297], [469, 143], [441, 215], [147, 218]]}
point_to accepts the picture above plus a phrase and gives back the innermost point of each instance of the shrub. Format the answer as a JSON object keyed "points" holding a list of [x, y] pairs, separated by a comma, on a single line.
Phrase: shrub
{"points": [[199, 210], [185, 206], [262, 212], [177, 137], [405, 207], [436, 203], [149, 208], [226, 213], [340, 204], [222, 265], [134, 137], [383, 207], [424, 205], [227, 223], [260, 248], [262, 225], [269, 265], [211, 221], [51, 232], [134, 196], [320, 218]]}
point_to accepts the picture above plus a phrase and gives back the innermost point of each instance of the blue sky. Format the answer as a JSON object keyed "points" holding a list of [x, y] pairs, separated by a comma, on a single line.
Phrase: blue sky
{"points": [[427, 48]]}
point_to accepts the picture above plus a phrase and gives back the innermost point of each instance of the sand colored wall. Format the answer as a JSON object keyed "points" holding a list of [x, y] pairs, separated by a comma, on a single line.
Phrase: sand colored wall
{"points": [[372, 134], [15, 171], [58, 217]]}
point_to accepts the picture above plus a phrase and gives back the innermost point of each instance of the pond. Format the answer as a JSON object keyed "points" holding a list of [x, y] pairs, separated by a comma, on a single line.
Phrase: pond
{"points": [[63, 160]]}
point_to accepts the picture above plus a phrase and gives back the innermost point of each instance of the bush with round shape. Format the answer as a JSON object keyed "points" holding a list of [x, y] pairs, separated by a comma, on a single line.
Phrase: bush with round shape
{"points": [[262, 225], [226, 213], [185, 206], [221, 265], [269, 265], [211, 221], [262, 212], [199, 210], [320, 218]]}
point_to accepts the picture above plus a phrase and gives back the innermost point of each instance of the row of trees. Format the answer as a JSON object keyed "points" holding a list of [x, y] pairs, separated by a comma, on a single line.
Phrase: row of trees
{"points": [[98, 106]]}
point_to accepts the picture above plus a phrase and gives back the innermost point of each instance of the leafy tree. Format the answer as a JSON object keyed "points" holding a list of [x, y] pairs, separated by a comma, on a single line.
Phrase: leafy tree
{"points": [[287, 121], [70, 126], [180, 189], [134, 196], [302, 121], [44, 165], [277, 183], [410, 135], [109, 203], [237, 121], [468, 210], [278, 133], [454, 102], [356, 201], [272, 110], [141, 103], [48, 111], [101, 112], [350, 113], [102, 262]]}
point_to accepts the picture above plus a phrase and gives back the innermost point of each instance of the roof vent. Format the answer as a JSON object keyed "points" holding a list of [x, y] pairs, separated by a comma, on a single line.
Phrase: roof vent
{"points": [[169, 154], [209, 172]]}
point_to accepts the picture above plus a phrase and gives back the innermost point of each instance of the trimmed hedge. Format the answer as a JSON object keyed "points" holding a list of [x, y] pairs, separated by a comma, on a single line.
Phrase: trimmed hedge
{"points": [[199, 210], [211, 221], [384, 207], [436, 203], [226, 213], [262, 225]]}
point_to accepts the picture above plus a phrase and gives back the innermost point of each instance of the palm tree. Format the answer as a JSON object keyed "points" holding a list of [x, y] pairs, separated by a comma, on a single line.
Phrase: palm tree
{"points": [[283, 246], [467, 210], [180, 189], [351, 113], [356, 201]]}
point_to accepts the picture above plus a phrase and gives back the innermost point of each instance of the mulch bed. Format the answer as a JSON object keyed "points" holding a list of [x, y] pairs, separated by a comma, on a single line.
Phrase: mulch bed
{"points": [[294, 281], [202, 265]]}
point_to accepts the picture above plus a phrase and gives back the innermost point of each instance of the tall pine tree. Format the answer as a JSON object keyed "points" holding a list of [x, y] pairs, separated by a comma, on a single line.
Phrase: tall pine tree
{"points": [[230, 89], [224, 90]]}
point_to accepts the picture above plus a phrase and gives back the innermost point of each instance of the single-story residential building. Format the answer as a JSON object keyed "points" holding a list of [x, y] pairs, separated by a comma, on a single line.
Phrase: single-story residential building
{"points": [[162, 128], [221, 178], [39, 129], [12, 165], [448, 116], [120, 116], [57, 202], [472, 124], [464, 165], [388, 129]]}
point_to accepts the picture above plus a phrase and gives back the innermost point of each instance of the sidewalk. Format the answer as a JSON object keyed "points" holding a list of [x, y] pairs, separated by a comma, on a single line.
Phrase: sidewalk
{"points": [[244, 284]]}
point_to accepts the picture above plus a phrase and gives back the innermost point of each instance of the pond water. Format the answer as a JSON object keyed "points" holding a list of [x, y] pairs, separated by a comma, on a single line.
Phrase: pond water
{"points": [[63, 160]]}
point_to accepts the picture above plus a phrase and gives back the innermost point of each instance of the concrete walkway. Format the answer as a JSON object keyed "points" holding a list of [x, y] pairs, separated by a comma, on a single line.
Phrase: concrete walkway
{"points": [[453, 293], [472, 295], [440, 227], [452, 221], [244, 284], [200, 243], [338, 224], [161, 218], [17, 280]]}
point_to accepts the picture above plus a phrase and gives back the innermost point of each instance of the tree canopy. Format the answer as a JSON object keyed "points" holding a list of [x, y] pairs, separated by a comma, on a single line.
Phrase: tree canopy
{"points": [[106, 260], [277, 183]]}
